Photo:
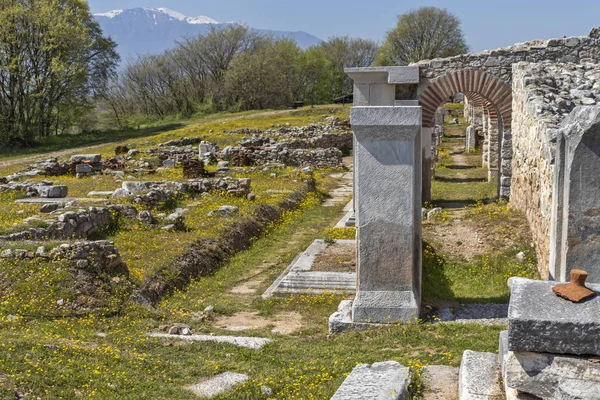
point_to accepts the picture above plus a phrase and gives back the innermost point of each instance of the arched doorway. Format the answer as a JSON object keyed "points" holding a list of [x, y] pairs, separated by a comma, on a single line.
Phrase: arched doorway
{"points": [[494, 97]]}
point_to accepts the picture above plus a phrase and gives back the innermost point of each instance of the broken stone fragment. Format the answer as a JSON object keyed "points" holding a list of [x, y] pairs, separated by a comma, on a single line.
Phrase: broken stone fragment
{"points": [[575, 290]]}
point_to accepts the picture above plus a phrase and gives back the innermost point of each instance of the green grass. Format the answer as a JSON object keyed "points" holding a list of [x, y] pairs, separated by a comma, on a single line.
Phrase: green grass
{"points": [[111, 357], [66, 358], [482, 280]]}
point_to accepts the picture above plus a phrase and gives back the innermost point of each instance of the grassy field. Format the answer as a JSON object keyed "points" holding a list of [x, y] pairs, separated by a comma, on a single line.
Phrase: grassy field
{"points": [[111, 357]]}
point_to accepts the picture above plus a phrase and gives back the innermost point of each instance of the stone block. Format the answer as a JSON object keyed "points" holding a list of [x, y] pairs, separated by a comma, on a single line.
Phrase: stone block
{"points": [[170, 163], [553, 376], [479, 377], [136, 187], [254, 343], [381, 381], [53, 192], [88, 158], [540, 321], [218, 384], [84, 169]]}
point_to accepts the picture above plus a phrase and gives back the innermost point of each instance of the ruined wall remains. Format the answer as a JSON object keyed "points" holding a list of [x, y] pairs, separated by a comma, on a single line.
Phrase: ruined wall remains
{"points": [[499, 62], [543, 95]]}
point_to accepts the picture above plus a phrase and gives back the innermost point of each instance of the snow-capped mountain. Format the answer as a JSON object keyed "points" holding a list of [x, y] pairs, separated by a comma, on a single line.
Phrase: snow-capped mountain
{"points": [[146, 30]]}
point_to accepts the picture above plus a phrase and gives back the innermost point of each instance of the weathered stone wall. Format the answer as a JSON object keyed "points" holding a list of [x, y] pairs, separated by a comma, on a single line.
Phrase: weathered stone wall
{"points": [[69, 225], [543, 95], [499, 62]]}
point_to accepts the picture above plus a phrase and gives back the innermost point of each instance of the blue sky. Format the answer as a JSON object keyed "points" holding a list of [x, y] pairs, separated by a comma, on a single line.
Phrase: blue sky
{"points": [[486, 24]]}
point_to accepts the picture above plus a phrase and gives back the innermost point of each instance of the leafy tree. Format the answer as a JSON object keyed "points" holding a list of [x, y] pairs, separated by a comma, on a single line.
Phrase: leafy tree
{"points": [[266, 77], [53, 62], [345, 52], [422, 34]]}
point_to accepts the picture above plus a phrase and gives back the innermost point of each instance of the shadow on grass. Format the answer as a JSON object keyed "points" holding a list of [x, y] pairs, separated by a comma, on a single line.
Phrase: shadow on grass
{"points": [[454, 136], [462, 166], [66, 142], [459, 180], [482, 280]]}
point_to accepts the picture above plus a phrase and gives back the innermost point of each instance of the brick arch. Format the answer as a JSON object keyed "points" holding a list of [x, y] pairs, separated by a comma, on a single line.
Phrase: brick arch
{"points": [[491, 91], [479, 101]]}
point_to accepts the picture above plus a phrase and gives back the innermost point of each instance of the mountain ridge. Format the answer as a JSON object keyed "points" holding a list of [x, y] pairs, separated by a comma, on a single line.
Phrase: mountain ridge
{"points": [[146, 30]]}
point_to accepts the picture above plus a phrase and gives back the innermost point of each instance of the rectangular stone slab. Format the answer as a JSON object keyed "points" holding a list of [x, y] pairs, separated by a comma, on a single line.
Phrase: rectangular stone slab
{"points": [[479, 377], [540, 321], [381, 381], [529, 375]]}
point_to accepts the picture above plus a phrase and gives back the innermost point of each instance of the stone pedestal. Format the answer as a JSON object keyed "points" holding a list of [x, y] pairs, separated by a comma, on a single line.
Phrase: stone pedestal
{"points": [[388, 183], [388, 190]]}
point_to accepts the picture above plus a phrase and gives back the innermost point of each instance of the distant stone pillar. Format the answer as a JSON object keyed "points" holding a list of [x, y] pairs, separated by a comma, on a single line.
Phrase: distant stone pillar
{"points": [[470, 139], [427, 157], [493, 149], [486, 138], [575, 218], [388, 188], [506, 165]]}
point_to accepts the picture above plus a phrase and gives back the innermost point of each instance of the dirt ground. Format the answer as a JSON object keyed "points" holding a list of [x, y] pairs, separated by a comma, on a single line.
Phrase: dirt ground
{"points": [[337, 257]]}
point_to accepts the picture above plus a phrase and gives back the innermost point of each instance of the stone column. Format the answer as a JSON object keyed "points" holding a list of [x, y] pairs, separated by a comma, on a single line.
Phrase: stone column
{"points": [[388, 169], [506, 165], [426, 143], [493, 149], [388, 188], [470, 139], [575, 218], [486, 138]]}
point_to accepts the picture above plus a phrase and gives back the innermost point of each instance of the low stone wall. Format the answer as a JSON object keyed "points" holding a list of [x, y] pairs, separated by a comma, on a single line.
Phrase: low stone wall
{"points": [[543, 95], [319, 158], [69, 225], [44, 189]]}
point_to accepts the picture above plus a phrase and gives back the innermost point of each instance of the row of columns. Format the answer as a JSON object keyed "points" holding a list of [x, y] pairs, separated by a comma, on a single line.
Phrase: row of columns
{"points": [[486, 132]]}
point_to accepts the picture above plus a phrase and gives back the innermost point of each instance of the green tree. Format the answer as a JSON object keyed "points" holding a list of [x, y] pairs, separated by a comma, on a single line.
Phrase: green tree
{"points": [[345, 52], [266, 77], [53, 62], [423, 34]]}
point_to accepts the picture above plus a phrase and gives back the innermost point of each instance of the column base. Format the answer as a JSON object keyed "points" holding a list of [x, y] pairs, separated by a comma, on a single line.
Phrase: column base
{"points": [[374, 310], [383, 307]]}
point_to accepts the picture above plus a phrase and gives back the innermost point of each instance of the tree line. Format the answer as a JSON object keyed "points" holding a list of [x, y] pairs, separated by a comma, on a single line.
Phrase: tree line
{"points": [[58, 73], [233, 68]]}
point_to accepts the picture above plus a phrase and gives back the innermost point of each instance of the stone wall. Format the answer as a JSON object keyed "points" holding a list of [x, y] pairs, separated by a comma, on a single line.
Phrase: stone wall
{"points": [[499, 62], [68, 225], [543, 95]]}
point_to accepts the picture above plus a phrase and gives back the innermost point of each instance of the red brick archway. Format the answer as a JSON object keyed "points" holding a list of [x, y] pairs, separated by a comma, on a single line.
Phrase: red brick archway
{"points": [[488, 90]]}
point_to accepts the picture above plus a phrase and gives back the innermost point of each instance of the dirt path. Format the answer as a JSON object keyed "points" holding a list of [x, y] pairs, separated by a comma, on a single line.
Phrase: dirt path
{"points": [[260, 277]]}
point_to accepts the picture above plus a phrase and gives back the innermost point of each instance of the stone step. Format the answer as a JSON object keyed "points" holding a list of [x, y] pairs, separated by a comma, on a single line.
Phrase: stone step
{"points": [[385, 380], [440, 382], [479, 377], [317, 282]]}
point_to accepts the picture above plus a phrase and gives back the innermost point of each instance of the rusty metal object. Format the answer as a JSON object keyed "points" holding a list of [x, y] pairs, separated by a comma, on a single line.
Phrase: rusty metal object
{"points": [[575, 290]]}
